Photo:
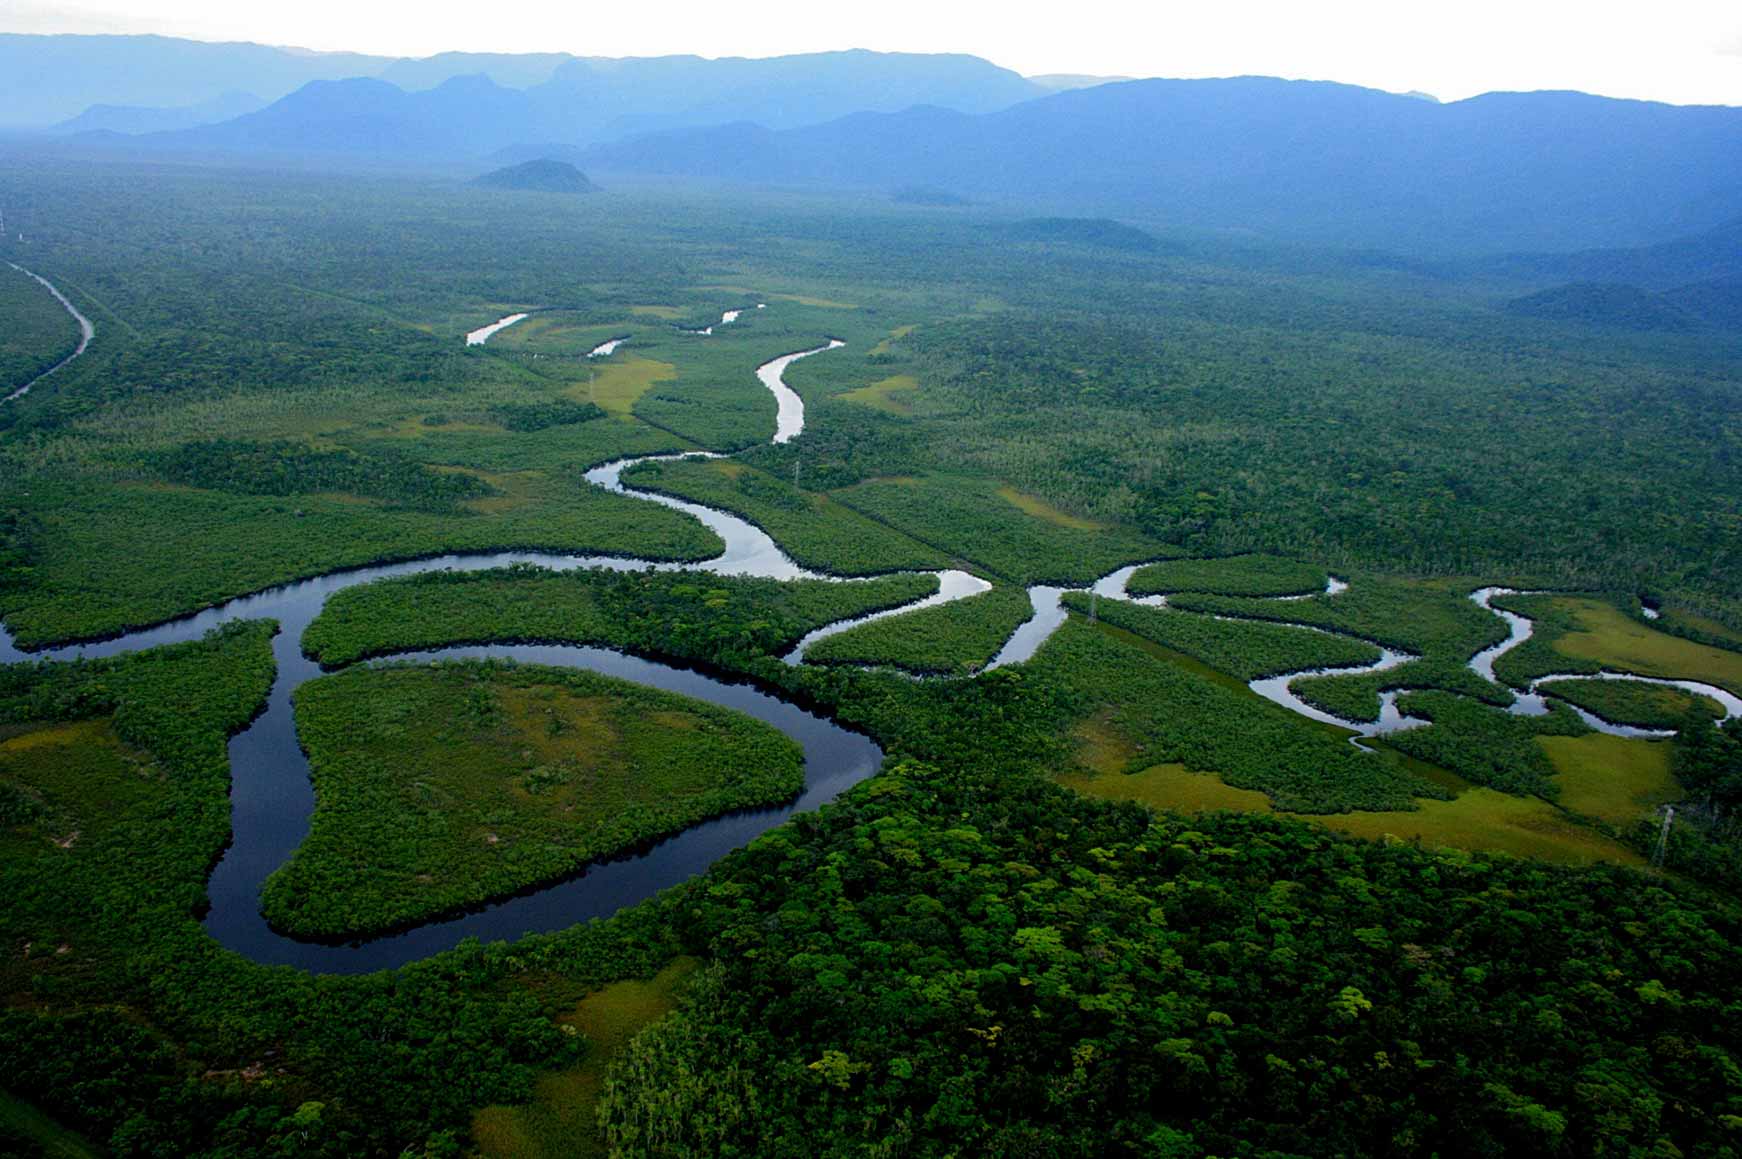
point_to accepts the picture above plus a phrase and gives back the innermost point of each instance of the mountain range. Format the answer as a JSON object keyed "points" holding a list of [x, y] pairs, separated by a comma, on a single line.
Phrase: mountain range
{"points": [[136, 84], [1521, 173], [587, 101], [1310, 160]]}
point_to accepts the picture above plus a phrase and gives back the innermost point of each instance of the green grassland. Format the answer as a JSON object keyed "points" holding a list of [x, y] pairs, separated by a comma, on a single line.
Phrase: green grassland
{"points": [[969, 518], [893, 395], [1245, 650], [1612, 778], [952, 639], [709, 618], [1476, 819], [1483, 745], [561, 1119], [1161, 713], [442, 788], [1693, 626], [191, 548], [1239, 575], [1584, 634], [1432, 618], [1630, 702], [814, 529], [38, 334]]}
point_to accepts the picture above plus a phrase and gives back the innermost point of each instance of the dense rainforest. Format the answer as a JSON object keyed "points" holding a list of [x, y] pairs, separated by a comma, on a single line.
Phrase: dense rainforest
{"points": [[1107, 898]]}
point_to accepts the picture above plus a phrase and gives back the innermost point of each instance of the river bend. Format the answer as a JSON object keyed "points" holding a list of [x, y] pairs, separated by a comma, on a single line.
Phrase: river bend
{"points": [[86, 331]]}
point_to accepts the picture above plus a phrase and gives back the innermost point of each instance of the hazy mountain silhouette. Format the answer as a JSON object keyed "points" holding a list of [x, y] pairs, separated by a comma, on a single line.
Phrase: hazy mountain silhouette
{"points": [[1605, 304], [590, 100], [596, 100], [48, 79], [463, 117], [1310, 160], [1094, 231], [135, 119], [1718, 302], [1708, 255], [509, 69], [543, 175]]}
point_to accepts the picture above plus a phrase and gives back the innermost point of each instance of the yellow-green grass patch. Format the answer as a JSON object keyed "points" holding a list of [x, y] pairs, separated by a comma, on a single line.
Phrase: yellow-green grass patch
{"points": [[1618, 779], [1101, 747], [1039, 508], [514, 489], [1478, 819], [1485, 820], [820, 303], [1616, 640], [619, 383], [414, 427], [64, 782], [893, 395], [560, 1119], [668, 313], [895, 335]]}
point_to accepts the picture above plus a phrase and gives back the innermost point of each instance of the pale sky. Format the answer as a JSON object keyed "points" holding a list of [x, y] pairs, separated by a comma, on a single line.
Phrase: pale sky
{"points": [[1682, 51]]}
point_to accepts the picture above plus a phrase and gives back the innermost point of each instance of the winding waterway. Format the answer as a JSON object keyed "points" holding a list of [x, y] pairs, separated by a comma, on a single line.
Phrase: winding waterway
{"points": [[272, 799], [1049, 615], [87, 331]]}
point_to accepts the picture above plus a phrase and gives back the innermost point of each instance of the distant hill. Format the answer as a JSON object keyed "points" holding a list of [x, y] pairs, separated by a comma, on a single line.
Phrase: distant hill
{"points": [[1706, 255], [543, 175], [462, 117], [135, 119], [1719, 303], [1095, 231], [1306, 160], [1607, 305]]}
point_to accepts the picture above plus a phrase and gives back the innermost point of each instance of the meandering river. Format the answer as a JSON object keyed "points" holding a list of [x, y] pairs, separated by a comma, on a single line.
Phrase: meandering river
{"points": [[272, 799]]}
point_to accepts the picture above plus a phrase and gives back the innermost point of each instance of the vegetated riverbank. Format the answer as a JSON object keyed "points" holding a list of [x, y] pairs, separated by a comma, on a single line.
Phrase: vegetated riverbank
{"points": [[440, 789], [35, 373]]}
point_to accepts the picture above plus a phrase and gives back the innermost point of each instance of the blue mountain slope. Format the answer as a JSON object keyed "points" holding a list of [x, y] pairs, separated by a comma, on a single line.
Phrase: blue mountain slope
{"points": [[1308, 160]]}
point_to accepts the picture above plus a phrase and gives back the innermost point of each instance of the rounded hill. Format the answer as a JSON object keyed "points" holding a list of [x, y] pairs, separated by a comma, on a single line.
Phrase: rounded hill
{"points": [[543, 175]]}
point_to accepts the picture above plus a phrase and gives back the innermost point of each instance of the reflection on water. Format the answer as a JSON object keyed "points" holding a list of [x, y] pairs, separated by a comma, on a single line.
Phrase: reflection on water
{"points": [[483, 333]]}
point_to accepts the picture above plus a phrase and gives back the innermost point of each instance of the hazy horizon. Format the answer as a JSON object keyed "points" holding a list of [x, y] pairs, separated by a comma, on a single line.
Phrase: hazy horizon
{"points": [[1687, 53]]}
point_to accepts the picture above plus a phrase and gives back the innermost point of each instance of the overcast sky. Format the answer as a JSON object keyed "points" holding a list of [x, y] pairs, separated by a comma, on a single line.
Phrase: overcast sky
{"points": [[1684, 51]]}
